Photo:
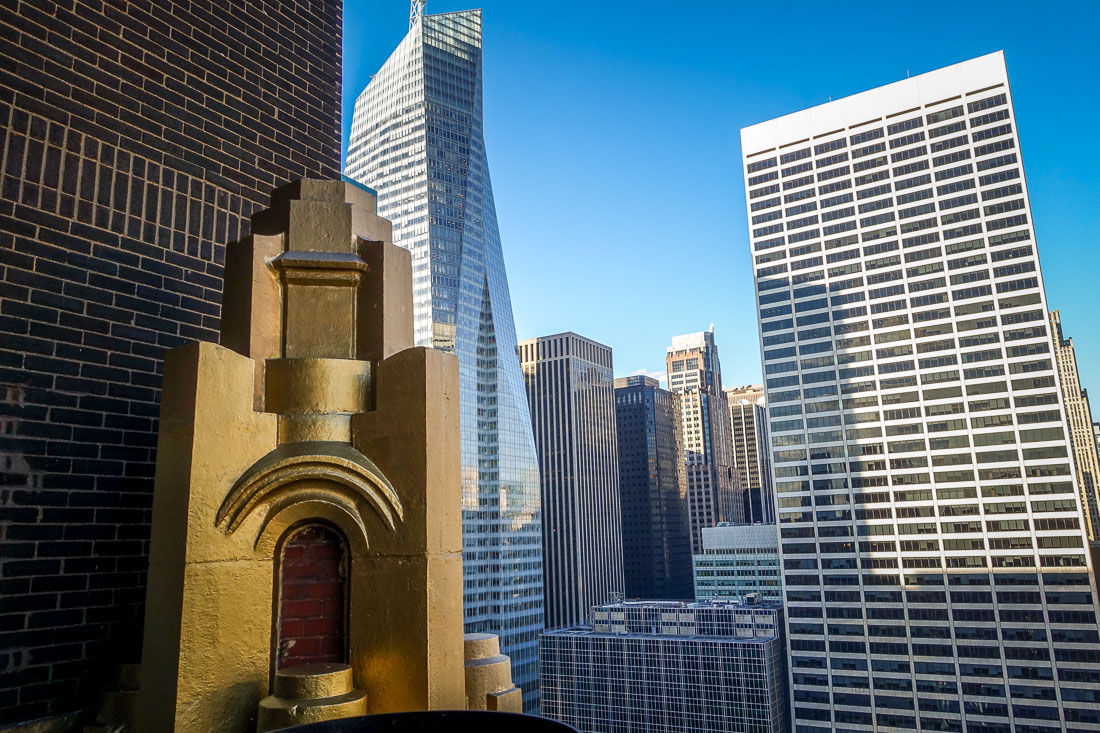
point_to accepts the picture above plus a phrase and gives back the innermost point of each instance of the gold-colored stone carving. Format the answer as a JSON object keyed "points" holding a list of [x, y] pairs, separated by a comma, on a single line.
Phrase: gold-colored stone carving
{"points": [[316, 408], [309, 693], [489, 676]]}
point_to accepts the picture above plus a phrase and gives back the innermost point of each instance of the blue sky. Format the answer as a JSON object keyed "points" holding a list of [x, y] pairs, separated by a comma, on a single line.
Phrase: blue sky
{"points": [[613, 139]]}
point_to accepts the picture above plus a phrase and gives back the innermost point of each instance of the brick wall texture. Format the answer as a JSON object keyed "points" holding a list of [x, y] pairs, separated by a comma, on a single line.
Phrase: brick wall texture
{"points": [[312, 598], [138, 136]]}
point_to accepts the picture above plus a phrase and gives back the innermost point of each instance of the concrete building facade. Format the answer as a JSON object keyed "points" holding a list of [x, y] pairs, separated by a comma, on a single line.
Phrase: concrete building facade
{"points": [[738, 560], [571, 394], [695, 375], [1082, 437], [934, 556], [749, 437]]}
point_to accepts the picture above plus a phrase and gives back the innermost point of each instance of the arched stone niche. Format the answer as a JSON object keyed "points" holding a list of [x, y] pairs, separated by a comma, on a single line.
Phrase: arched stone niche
{"points": [[309, 625]]}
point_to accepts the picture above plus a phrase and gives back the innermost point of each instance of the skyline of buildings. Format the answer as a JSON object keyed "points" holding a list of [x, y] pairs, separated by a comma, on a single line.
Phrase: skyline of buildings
{"points": [[935, 567], [417, 139], [695, 376], [653, 491], [570, 391], [935, 522]]}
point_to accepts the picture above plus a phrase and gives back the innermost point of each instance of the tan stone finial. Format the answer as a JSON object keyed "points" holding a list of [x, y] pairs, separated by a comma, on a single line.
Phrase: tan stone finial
{"points": [[489, 676], [307, 506]]}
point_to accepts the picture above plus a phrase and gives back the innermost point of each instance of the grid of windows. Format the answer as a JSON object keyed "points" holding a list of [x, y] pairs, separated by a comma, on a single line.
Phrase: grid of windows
{"points": [[930, 532], [738, 560], [695, 376], [667, 667], [571, 393]]}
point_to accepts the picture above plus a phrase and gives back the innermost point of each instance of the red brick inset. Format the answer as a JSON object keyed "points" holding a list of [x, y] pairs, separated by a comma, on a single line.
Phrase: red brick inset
{"points": [[311, 598]]}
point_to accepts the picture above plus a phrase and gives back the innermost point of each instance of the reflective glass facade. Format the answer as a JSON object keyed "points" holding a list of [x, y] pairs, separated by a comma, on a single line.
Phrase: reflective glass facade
{"points": [[653, 490], [417, 140], [935, 570]]}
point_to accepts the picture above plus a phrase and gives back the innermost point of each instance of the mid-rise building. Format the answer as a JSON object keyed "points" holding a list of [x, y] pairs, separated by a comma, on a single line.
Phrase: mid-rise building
{"points": [[570, 389], [417, 139], [695, 375], [935, 569], [652, 491], [137, 141], [738, 560], [749, 436], [668, 667], [1082, 437]]}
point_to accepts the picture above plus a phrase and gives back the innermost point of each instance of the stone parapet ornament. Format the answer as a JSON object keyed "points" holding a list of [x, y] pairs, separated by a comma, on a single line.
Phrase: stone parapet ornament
{"points": [[307, 507]]}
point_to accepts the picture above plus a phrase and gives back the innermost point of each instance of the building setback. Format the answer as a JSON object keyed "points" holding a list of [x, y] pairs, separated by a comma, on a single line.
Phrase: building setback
{"points": [[1082, 438], [136, 142], [930, 531], [571, 396], [417, 139], [652, 490], [749, 436], [668, 667], [695, 374]]}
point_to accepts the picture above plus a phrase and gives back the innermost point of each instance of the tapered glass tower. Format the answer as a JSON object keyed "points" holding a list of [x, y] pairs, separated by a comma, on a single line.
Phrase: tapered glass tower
{"points": [[416, 138]]}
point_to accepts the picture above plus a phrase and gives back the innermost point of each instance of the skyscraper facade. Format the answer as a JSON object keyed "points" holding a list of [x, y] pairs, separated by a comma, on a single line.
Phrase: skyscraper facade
{"points": [[934, 562], [652, 491], [1079, 417], [749, 436], [570, 389], [416, 138], [695, 375], [738, 560], [668, 667], [137, 141]]}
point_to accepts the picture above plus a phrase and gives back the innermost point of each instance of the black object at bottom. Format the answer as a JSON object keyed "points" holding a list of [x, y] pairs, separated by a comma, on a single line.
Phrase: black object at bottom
{"points": [[451, 721]]}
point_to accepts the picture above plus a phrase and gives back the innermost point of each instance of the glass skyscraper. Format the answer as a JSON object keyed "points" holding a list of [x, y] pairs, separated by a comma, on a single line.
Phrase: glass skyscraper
{"points": [[935, 569], [416, 139]]}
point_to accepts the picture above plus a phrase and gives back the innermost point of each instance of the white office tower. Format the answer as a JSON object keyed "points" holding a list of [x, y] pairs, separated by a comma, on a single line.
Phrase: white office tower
{"points": [[935, 570], [416, 138]]}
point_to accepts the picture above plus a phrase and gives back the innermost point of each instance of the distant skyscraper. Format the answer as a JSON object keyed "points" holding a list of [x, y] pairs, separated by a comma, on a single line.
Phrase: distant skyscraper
{"points": [[664, 667], [570, 389], [695, 374], [749, 433], [653, 491], [738, 559], [416, 138], [1082, 437], [934, 561]]}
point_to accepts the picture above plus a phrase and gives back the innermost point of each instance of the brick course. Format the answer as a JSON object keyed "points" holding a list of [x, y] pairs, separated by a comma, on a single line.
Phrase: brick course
{"points": [[138, 136], [312, 598]]}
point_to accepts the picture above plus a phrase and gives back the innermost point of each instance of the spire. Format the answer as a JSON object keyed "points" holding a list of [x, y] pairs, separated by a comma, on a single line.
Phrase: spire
{"points": [[416, 9]]}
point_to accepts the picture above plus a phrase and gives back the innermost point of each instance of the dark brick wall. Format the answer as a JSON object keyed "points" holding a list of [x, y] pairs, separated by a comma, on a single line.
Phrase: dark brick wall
{"points": [[137, 138]]}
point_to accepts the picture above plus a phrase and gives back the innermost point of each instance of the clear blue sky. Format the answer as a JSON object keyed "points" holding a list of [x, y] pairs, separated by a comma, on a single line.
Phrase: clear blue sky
{"points": [[612, 134]]}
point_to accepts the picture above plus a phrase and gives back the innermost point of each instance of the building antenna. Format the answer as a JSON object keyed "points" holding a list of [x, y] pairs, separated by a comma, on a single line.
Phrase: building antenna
{"points": [[416, 9]]}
